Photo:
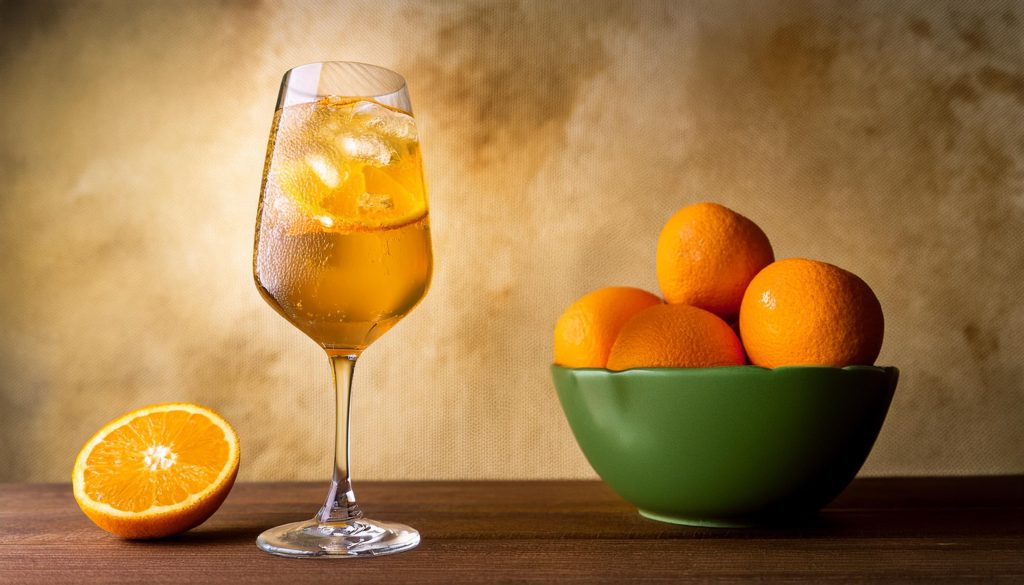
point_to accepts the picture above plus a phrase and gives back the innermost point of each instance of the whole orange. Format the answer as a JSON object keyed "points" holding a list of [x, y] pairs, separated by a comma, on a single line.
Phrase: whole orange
{"points": [[805, 312], [707, 255], [675, 336], [585, 332]]}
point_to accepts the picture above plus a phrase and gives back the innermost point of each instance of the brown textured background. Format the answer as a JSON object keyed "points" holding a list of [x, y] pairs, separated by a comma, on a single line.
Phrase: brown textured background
{"points": [[884, 137]]}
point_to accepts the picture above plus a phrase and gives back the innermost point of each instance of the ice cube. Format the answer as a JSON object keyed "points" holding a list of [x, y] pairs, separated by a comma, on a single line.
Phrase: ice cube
{"points": [[368, 148], [324, 170], [369, 202], [396, 125], [364, 109], [385, 121]]}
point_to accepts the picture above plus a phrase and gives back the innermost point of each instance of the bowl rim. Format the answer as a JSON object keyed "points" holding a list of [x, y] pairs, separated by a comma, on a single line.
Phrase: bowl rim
{"points": [[748, 368]]}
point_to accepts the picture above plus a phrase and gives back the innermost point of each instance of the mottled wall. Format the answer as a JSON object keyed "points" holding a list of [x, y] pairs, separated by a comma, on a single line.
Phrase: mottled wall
{"points": [[885, 137]]}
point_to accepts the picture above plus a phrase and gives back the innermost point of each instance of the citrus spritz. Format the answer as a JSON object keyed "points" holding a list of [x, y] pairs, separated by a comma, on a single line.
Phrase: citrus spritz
{"points": [[343, 232], [343, 253]]}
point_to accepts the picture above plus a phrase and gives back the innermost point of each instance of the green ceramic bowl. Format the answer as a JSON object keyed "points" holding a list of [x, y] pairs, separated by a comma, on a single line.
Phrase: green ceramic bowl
{"points": [[729, 446]]}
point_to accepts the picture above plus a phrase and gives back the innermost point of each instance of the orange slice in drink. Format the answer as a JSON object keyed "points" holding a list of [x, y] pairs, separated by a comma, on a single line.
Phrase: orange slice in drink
{"points": [[346, 165], [348, 196], [156, 471]]}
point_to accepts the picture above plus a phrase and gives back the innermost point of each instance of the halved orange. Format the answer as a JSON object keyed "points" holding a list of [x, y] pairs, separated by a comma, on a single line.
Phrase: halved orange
{"points": [[156, 471]]}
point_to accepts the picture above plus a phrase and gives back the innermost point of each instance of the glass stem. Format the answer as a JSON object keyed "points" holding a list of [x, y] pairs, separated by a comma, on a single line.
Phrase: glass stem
{"points": [[341, 500]]}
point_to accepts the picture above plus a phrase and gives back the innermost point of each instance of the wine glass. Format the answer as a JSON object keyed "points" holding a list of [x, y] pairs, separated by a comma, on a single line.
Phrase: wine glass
{"points": [[343, 253]]}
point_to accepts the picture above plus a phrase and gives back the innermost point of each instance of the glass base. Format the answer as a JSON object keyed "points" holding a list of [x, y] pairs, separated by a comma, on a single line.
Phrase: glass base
{"points": [[359, 537]]}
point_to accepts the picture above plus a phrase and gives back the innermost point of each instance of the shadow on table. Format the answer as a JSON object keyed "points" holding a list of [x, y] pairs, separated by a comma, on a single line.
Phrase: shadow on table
{"points": [[236, 533]]}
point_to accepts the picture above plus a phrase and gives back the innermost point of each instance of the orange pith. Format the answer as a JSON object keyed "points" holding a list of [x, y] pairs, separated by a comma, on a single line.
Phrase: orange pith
{"points": [[706, 256], [675, 336], [156, 471], [805, 312]]}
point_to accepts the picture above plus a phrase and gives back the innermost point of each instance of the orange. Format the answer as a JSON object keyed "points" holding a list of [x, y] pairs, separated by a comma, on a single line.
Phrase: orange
{"points": [[707, 255], [585, 332], [156, 471], [805, 312], [675, 336]]}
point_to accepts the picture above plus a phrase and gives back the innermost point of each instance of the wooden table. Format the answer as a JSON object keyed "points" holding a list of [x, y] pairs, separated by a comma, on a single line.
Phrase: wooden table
{"points": [[933, 529]]}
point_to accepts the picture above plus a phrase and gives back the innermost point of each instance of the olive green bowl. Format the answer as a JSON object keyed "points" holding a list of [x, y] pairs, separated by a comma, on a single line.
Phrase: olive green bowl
{"points": [[729, 446]]}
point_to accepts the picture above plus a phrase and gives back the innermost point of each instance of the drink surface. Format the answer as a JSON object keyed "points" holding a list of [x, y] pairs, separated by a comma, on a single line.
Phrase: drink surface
{"points": [[343, 235]]}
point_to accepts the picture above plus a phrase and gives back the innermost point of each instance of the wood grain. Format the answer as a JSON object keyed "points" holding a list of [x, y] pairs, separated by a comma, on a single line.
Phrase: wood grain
{"points": [[881, 530]]}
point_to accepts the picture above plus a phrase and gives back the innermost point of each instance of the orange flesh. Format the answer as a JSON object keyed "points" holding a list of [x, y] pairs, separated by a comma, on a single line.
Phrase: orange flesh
{"points": [[157, 459]]}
